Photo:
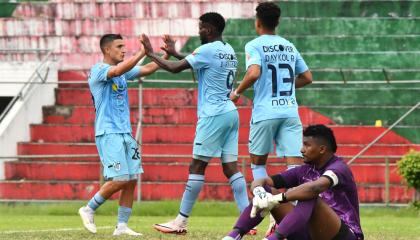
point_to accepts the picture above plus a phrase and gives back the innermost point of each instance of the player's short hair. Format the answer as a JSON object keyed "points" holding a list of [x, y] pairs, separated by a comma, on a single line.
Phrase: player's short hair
{"points": [[108, 38], [323, 133], [269, 14], [214, 19]]}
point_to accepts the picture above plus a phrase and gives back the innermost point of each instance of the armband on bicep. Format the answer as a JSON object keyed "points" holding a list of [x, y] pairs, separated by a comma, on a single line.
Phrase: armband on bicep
{"points": [[332, 177], [278, 181]]}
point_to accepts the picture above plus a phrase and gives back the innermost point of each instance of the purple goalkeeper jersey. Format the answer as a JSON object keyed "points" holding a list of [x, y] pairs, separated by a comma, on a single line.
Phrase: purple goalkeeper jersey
{"points": [[341, 196]]}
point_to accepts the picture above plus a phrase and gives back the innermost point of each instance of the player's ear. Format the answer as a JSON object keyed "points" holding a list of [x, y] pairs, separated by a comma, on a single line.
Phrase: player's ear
{"points": [[322, 149], [257, 23]]}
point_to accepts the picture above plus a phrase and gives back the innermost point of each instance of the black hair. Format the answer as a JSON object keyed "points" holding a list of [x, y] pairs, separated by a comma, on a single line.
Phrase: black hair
{"points": [[214, 19], [108, 38], [269, 14], [322, 132]]}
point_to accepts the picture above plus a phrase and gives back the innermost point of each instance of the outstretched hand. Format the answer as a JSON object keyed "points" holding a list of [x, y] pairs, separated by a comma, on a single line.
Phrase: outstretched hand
{"points": [[169, 45], [146, 44]]}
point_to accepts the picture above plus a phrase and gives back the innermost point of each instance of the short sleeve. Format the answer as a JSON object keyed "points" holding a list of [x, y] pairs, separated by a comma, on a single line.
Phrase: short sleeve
{"points": [[199, 58], [99, 73], [300, 66], [252, 56], [133, 73], [291, 177], [337, 174]]}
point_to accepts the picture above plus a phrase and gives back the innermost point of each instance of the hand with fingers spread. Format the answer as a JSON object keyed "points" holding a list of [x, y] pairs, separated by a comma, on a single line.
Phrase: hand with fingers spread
{"points": [[169, 45], [146, 44]]}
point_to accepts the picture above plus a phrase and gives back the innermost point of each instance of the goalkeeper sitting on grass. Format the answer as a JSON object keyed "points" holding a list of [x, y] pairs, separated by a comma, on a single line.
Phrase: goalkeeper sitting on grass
{"points": [[327, 207]]}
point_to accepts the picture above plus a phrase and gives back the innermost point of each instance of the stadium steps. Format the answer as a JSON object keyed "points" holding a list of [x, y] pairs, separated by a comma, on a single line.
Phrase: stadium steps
{"points": [[76, 190], [157, 115], [164, 171], [72, 125], [169, 133], [59, 148], [118, 9], [350, 40]]}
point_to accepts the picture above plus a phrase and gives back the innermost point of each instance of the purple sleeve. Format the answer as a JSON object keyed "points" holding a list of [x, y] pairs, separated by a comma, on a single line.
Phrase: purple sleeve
{"points": [[338, 173], [291, 177]]}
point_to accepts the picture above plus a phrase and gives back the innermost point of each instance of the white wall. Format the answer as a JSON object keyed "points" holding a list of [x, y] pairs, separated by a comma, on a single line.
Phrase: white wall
{"points": [[15, 127], [14, 72]]}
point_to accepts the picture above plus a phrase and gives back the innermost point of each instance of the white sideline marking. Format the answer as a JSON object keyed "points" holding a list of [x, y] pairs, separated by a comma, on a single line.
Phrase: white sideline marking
{"points": [[51, 230]]}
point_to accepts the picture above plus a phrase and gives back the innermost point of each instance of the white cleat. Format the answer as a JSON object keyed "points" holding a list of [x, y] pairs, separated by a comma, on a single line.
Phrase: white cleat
{"points": [[171, 227], [87, 218], [228, 238], [122, 229]]}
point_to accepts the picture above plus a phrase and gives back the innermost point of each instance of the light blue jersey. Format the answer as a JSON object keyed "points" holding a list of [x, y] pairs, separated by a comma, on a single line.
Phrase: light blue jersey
{"points": [[110, 97], [215, 64], [274, 91]]}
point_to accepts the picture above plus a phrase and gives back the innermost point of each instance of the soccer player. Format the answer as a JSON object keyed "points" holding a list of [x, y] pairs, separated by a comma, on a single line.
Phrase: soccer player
{"points": [[118, 150], [217, 128], [272, 63], [328, 205]]}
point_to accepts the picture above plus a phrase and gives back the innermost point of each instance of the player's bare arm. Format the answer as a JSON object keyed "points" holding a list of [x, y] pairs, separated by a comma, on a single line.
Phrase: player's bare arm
{"points": [[169, 47], [171, 66], [152, 67], [251, 76], [126, 65], [303, 79]]}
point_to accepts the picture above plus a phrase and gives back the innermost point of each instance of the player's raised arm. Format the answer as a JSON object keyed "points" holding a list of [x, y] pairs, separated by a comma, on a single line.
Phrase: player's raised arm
{"points": [[125, 65], [171, 66], [169, 47], [151, 67]]}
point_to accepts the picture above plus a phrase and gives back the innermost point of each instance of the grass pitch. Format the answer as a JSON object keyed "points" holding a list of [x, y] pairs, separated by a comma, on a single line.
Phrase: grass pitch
{"points": [[209, 220]]}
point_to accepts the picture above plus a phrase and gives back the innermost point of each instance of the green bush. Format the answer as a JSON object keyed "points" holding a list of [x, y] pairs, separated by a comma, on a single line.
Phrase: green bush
{"points": [[409, 168]]}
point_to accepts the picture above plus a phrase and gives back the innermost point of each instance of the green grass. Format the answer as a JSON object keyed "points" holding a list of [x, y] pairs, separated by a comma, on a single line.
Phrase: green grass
{"points": [[209, 220]]}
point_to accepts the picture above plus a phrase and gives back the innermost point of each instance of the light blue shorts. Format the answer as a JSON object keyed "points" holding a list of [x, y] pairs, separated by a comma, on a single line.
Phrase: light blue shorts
{"points": [[120, 156], [217, 136], [285, 132]]}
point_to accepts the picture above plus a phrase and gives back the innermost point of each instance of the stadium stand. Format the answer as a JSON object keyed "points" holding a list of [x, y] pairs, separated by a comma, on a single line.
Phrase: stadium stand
{"points": [[364, 51]]}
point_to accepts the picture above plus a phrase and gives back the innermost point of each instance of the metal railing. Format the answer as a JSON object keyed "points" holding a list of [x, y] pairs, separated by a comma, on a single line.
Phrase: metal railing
{"points": [[384, 133], [27, 86]]}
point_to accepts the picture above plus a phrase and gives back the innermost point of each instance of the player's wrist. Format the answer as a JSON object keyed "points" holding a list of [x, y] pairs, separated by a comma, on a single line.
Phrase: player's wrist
{"points": [[236, 94], [280, 198]]}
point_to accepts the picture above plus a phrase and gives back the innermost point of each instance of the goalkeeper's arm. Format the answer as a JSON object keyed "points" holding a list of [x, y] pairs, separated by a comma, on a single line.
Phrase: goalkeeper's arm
{"points": [[275, 181]]}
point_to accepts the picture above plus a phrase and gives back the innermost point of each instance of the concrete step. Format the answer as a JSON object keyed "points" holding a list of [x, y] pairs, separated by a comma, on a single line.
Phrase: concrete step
{"points": [[115, 9], [151, 97], [31, 148], [336, 43], [342, 59], [77, 190], [330, 26], [188, 26], [357, 95], [185, 134], [168, 172], [158, 115], [351, 59], [324, 74]]}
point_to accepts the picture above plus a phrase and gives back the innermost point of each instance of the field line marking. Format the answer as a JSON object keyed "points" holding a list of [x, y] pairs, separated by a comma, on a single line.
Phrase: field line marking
{"points": [[50, 230]]}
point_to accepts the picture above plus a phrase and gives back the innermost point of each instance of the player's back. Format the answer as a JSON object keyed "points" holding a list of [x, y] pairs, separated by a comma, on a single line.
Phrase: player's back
{"points": [[274, 91], [215, 64]]}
